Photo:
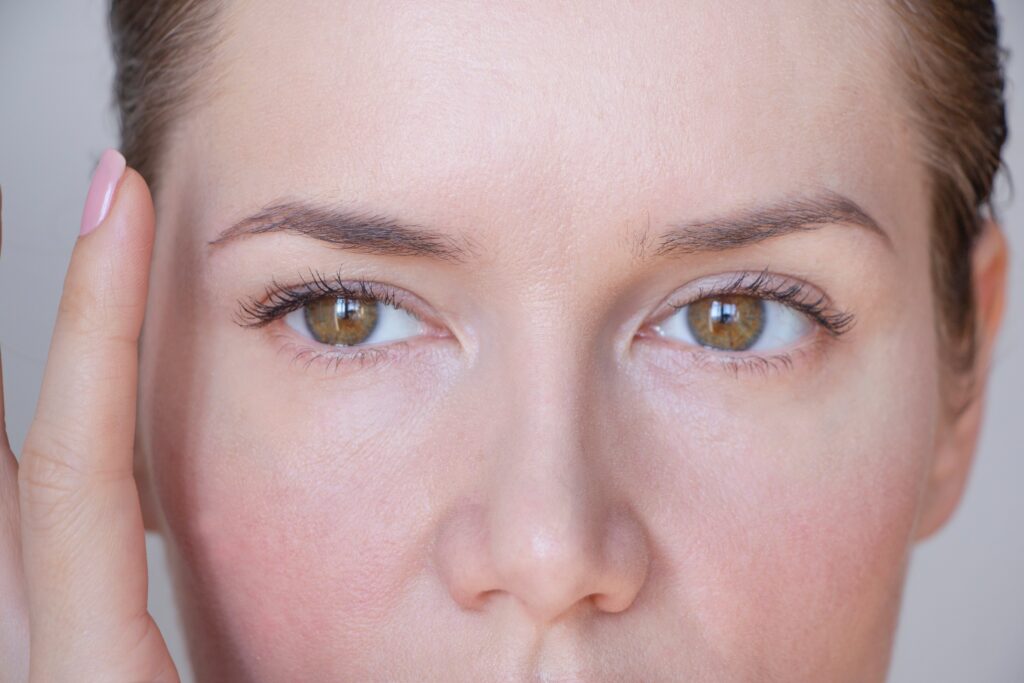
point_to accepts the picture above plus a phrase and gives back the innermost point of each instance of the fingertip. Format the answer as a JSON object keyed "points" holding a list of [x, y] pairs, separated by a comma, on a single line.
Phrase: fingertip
{"points": [[98, 200], [107, 278], [118, 195], [124, 238], [133, 204]]}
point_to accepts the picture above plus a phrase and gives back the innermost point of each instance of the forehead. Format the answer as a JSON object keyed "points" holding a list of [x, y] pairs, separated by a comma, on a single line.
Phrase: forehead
{"points": [[561, 107]]}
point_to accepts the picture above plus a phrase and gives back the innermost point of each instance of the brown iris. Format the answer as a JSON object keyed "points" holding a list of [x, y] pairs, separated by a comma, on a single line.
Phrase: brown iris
{"points": [[341, 321], [727, 323]]}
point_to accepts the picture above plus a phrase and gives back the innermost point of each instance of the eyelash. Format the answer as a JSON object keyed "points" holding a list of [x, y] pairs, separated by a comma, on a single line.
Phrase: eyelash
{"points": [[797, 295], [280, 300]]}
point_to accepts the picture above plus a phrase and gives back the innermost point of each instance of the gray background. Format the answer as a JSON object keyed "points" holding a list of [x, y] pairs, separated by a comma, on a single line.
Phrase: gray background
{"points": [[963, 616]]}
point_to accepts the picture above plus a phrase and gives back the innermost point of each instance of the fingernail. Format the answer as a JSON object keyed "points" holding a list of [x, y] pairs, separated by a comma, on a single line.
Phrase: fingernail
{"points": [[101, 191]]}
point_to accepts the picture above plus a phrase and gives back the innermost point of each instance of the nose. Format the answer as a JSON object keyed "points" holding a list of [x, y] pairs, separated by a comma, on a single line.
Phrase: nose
{"points": [[542, 525]]}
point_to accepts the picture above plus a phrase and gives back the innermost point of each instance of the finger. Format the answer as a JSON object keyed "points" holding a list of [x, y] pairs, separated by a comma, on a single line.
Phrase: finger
{"points": [[13, 607], [82, 533]]}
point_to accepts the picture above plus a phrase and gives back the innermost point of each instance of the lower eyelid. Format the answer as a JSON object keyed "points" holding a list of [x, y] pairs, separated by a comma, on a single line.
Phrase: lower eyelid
{"points": [[309, 352], [759, 364], [681, 360]]}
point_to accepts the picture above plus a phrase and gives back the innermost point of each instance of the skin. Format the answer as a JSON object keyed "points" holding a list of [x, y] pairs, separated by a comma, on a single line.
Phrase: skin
{"points": [[538, 488]]}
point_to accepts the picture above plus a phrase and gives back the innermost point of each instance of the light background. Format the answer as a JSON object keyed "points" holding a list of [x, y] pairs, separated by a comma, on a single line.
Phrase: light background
{"points": [[963, 614]]}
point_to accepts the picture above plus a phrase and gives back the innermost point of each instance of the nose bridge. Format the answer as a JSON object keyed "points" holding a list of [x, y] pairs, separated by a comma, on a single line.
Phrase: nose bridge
{"points": [[539, 467], [540, 515], [553, 539], [540, 480], [542, 524]]}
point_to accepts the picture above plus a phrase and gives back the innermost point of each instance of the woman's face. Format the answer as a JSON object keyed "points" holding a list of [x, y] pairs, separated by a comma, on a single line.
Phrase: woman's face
{"points": [[654, 388]]}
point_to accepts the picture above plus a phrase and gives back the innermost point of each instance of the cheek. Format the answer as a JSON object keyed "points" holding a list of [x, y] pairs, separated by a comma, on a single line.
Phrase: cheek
{"points": [[785, 510], [297, 523]]}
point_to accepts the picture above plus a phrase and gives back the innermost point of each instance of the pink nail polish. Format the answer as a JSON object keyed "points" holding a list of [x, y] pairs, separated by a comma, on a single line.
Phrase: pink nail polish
{"points": [[101, 192]]}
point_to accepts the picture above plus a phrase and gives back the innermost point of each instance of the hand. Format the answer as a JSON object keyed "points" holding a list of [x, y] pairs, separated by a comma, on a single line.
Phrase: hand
{"points": [[73, 582]]}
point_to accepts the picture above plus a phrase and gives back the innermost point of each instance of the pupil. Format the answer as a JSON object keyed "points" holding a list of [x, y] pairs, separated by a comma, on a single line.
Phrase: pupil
{"points": [[344, 307], [724, 313]]}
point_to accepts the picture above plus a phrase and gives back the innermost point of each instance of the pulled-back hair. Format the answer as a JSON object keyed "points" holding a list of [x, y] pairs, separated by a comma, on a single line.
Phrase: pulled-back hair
{"points": [[953, 67], [161, 50]]}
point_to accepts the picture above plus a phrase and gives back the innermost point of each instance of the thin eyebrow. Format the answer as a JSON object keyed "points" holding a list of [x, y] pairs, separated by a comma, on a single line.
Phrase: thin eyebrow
{"points": [[750, 226], [364, 232]]}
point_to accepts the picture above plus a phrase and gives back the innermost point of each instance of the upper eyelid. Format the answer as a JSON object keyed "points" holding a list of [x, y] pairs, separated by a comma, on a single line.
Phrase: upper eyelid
{"points": [[257, 312], [762, 282], [814, 301]]}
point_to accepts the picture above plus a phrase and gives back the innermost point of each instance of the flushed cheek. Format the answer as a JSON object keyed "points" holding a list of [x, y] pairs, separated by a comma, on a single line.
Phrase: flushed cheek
{"points": [[828, 564], [298, 556], [796, 574], [312, 579], [312, 571], [783, 513]]}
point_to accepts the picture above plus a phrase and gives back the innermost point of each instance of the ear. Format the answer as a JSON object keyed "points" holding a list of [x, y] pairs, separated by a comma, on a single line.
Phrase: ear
{"points": [[958, 437]]}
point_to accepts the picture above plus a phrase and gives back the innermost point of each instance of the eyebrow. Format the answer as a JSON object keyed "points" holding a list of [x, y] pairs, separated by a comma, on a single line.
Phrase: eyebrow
{"points": [[360, 231], [376, 233], [753, 225]]}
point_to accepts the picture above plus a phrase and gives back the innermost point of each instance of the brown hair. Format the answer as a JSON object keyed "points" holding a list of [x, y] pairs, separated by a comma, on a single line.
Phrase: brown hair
{"points": [[953, 66], [952, 63], [159, 46]]}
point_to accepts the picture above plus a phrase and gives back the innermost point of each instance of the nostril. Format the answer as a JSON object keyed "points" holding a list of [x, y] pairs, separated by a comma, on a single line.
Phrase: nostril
{"points": [[613, 603], [461, 558], [548, 569], [549, 561], [483, 598]]}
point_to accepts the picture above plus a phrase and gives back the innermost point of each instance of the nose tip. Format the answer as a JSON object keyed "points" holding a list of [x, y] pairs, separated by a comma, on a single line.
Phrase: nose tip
{"points": [[555, 569], [548, 569], [548, 575]]}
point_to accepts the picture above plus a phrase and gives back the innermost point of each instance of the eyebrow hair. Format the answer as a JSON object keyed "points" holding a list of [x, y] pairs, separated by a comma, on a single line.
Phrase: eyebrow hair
{"points": [[368, 233], [375, 233], [753, 225]]}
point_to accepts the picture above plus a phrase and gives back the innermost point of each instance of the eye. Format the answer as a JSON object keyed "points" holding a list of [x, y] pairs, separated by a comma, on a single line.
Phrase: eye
{"points": [[736, 322], [349, 321]]}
